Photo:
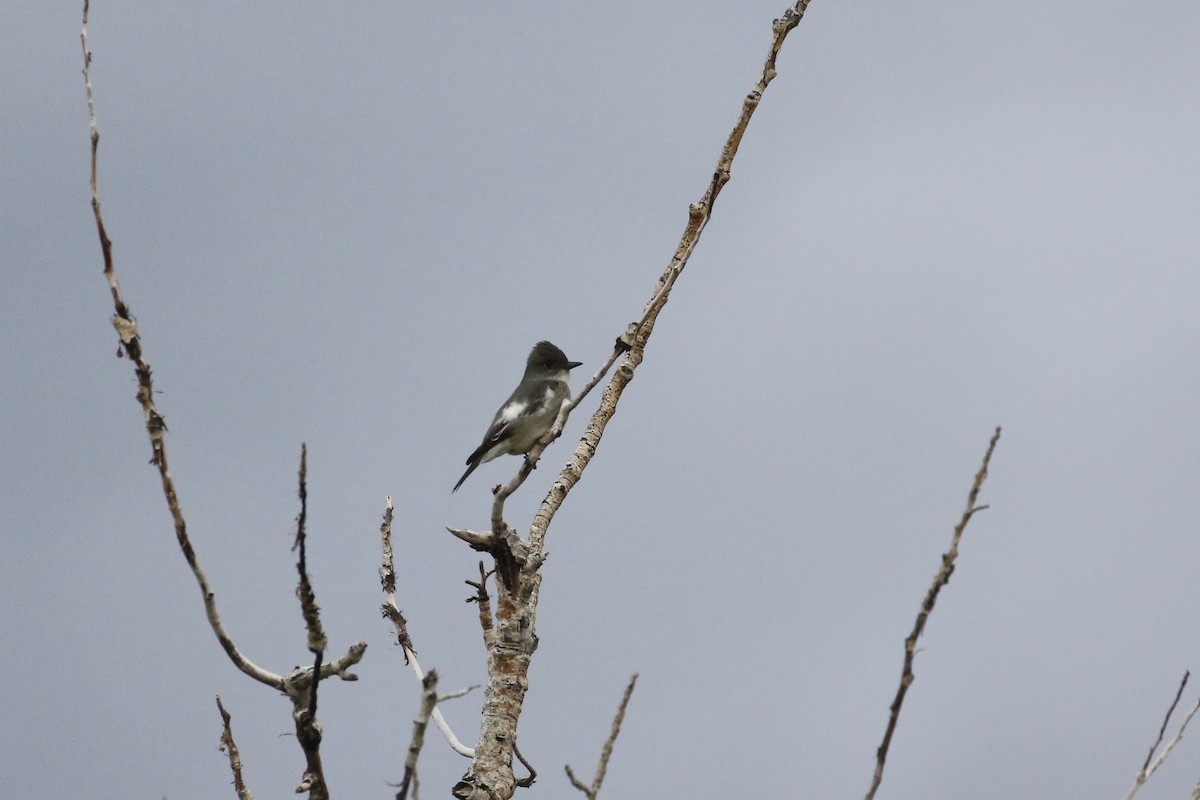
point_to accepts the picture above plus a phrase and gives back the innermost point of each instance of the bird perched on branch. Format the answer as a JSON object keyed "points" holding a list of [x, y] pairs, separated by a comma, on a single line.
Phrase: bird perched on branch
{"points": [[530, 411]]}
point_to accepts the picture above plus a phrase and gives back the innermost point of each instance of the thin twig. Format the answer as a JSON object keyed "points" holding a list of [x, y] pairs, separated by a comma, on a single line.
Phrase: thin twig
{"points": [[602, 767], [228, 746], [939, 580], [1167, 719], [485, 605], [457, 693], [131, 347], [387, 578], [1150, 768], [529, 779], [429, 700]]}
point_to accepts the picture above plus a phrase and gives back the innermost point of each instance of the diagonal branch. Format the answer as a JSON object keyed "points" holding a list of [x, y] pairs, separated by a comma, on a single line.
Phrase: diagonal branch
{"points": [[301, 684], [429, 700], [531, 458], [131, 347], [387, 577], [939, 580], [1167, 719], [518, 561], [635, 338], [1149, 767], [606, 752], [636, 335]]}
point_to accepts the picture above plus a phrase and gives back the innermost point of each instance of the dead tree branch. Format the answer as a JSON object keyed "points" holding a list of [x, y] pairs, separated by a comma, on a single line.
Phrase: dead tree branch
{"points": [[602, 767], [387, 578], [1167, 719], [301, 684], [429, 701], [1149, 768], [229, 747], [485, 606], [131, 348], [939, 580], [304, 711], [518, 561], [633, 341]]}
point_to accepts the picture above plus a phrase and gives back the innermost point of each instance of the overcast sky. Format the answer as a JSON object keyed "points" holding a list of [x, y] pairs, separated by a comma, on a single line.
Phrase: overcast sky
{"points": [[346, 224]]}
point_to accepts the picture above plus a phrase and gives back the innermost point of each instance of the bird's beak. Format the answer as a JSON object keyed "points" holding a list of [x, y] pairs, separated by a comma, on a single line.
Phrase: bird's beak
{"points": [[574, 364]]}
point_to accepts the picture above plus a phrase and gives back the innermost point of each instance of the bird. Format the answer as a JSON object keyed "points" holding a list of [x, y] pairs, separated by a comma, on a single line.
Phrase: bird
{"points": [[530, 410]]}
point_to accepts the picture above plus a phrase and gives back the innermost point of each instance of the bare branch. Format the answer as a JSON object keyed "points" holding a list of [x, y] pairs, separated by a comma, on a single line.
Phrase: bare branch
{"points": [[387, 577], [1149, 768], [301, 684], [636, 337], [443, 726], [483, 542], [637, 334], [512, 554], [304, 708], [602, 767], [228, 746], [485, 606], [518, 561], [578, 784], [1167, 719], [531, 458], [457, 693], [131, 347], [529, 779], [317, 641], [939, 580], [429, 700], [341, 666]]}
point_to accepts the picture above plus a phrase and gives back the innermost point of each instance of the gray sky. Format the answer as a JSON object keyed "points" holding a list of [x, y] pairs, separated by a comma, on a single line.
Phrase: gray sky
{"points": [[346, 224]]}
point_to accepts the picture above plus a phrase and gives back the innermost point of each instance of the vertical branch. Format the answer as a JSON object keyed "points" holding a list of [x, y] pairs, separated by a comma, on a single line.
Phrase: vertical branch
{"points": [[228, 746], [304, 692], [387, 578], [105, 244], [485, 606], [939, 580], [317, 642]]}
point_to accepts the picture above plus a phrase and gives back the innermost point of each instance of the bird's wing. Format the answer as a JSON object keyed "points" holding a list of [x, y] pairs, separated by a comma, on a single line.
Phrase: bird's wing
{"points": [[502, 426], [502, 423]]}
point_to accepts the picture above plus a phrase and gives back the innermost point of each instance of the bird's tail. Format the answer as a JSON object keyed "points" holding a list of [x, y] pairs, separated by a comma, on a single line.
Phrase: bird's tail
{"points": [[471, 465]]}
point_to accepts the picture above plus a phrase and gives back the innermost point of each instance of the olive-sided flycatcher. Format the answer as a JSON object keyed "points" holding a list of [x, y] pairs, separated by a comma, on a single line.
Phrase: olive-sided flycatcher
{"points": [[530, 411]]}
